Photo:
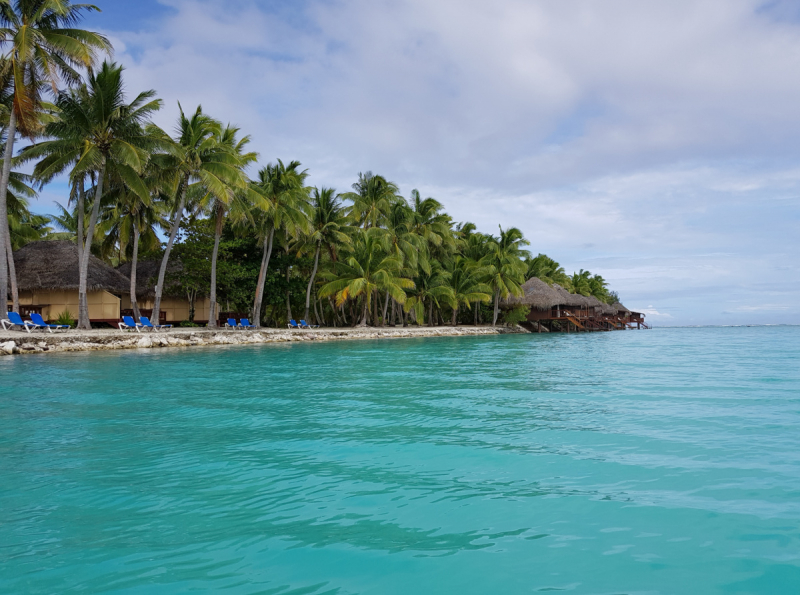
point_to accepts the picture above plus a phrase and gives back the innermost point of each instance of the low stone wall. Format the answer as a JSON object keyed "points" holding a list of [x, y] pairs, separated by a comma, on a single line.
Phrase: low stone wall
{"points": [[20, 342]]}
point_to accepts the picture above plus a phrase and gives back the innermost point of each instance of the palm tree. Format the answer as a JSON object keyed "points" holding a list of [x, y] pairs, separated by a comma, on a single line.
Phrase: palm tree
{"points": [[432, 290], [505, 269], [474, 246], [366, 270], [234, 199], [465, 283], [580, 283], [372, 197], [328, 229], [99, 131], [285, 207], [430, 223], [402, 240], [42, 49], [131, 221], [600, 289], [546, 269], [23, 227], [200, 165], [68, 222]]}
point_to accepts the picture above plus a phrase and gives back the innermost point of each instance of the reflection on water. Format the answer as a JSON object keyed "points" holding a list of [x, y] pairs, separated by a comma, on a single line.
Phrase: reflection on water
{"points": [[663, 462]]}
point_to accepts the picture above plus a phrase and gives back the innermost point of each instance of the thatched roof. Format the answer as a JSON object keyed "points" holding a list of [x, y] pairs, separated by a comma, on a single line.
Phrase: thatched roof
{"points": [[147, 277], [52, 265], [538, 295], [595, 303], [570, 299], [620, 308]]}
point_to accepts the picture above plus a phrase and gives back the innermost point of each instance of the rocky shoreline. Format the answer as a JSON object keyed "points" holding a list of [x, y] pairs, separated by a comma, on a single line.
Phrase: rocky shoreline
{"points": [[20, 342]]}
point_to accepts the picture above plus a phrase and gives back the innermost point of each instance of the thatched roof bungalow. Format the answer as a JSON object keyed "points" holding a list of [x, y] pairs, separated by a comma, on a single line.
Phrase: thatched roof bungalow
{"points": [[561, 311], [538, 295], [572, 300], [48, 277], [176, 306], [147, 277], [620, 308]]}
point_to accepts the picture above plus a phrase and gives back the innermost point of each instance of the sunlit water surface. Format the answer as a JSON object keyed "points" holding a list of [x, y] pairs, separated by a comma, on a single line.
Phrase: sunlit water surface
{"points": [[663, 461]]}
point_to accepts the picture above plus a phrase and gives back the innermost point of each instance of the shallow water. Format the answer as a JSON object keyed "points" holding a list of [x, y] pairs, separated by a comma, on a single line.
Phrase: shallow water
{"points": [[663, 461]]}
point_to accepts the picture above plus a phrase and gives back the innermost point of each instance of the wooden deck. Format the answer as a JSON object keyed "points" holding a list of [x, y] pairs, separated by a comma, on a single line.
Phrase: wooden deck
{"points": [[580, 320]]}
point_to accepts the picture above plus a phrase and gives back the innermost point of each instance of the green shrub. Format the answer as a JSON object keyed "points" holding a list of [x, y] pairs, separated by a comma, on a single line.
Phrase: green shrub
{"points": [[66, 318], [189, 324], [516, 315]]}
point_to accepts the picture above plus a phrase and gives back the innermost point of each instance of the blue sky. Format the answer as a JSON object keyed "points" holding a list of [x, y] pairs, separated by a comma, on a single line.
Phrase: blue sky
{"points": [[656, 143]]}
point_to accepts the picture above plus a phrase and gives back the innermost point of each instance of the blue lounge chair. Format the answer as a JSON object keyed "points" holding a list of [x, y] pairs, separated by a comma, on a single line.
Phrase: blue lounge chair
{"points": [[231, 324], [129, 324], [40, 323], [14, 320], [304, 324], [245, 323], [293, 324], [145, 323]]}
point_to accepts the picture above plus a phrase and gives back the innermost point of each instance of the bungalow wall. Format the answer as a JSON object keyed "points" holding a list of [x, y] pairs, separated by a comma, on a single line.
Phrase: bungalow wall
{"points": [[102, 305], [175, 309]]}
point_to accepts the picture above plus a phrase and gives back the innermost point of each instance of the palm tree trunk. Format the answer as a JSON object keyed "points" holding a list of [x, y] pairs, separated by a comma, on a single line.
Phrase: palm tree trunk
{"points": [[385, 309], [375, 306], [134, 261], [262, 277], [288, 300], [12, 275], [4, 231], [83, 296], [212, 319], [365, 310], [430, 313], [477, 306], [455, 316], [317, 318], [80, 208], [173, 232], [311, 281], [496, 307]]}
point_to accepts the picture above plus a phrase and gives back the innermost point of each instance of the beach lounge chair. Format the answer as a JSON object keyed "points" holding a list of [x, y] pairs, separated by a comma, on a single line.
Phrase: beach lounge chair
{"points": [[14, 320], [145, 323], [245, 323], [41, 324], [293, 324], [304, 324], [231, 324], [129, 324]]}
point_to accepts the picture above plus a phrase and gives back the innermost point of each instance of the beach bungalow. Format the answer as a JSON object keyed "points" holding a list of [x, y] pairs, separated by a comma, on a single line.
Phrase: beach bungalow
{"points": [[175, 304], [47, 277], [556, 309]]}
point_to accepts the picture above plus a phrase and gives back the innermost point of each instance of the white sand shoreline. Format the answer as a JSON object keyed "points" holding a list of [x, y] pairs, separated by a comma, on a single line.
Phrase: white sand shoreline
{"points": [[20, 342]]}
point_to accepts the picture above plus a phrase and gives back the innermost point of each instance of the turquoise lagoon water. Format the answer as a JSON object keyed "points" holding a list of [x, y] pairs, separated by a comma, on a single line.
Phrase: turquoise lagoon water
{"points": [[663, 461]]}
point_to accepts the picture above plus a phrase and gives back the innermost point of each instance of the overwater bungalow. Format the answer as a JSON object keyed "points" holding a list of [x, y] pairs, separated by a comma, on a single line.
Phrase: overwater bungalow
{"points": [[47, 277], [554, 309], [176, 305]]}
